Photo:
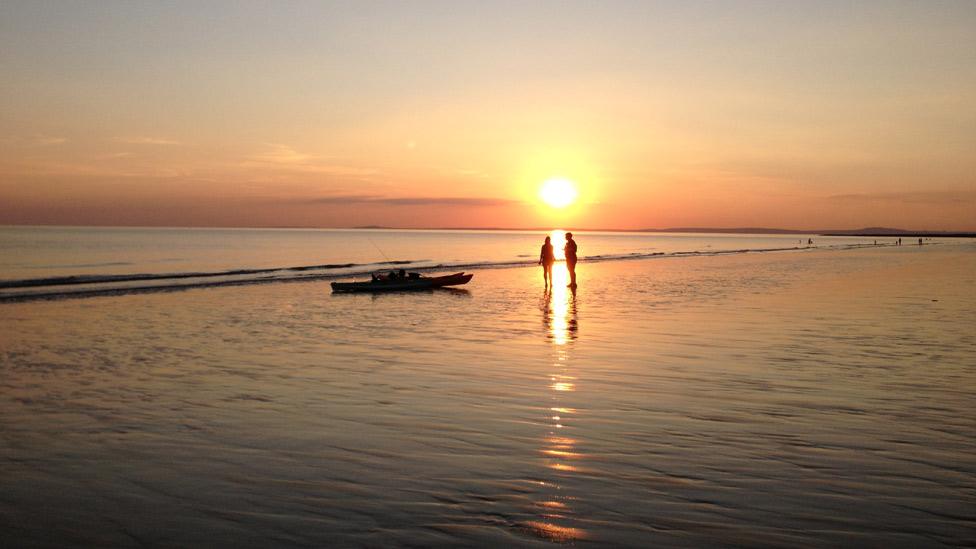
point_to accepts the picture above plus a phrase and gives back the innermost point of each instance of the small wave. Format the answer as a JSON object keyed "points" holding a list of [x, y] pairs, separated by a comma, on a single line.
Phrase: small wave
{"points": [[108, 284], [73, 280], [82, 265]]}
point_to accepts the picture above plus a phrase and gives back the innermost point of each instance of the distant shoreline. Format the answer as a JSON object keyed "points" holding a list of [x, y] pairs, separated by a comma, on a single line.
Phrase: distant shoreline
{"points": [[864, 232]]}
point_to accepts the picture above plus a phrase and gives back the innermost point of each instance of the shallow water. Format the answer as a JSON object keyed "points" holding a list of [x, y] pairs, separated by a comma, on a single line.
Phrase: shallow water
{"points": [[813, 399], [55, 261]]}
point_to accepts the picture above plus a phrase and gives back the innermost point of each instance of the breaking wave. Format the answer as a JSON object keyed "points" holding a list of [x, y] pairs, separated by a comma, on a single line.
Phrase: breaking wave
{"points": [[107, 284]]}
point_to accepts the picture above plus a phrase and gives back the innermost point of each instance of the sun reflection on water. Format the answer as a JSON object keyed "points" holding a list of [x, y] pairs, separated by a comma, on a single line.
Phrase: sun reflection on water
{"points": [[559, 451], [561, 307]]}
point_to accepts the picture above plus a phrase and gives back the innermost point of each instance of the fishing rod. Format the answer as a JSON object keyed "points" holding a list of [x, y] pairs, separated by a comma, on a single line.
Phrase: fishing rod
{"points": [[379, 250]]}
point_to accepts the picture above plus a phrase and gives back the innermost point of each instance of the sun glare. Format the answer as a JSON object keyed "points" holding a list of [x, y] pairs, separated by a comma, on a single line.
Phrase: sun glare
{"points": [[558, 192]]}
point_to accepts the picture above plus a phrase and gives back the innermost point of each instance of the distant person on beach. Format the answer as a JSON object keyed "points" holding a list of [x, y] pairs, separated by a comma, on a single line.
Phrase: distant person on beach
{"points": [[919, 241], [809, 242], [546, 258], [570, 251]]}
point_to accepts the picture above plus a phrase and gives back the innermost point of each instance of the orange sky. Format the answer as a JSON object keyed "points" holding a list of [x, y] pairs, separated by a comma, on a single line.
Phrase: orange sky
{"points": [[806, 115]]}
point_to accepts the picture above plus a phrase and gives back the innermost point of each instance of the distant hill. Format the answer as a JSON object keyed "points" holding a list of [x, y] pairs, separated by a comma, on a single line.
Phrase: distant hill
{"points": [[884, 231], [735, 230], [867, 231]]}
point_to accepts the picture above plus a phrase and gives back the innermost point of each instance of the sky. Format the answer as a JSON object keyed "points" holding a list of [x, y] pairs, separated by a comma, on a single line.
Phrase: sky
{"points": [[805, 115]]}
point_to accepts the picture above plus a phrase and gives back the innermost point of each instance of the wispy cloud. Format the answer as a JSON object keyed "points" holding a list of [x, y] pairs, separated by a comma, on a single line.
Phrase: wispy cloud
{"points": [[412, 201], [36, 141], [283, 157], [115, 155], [48, 141], [147, 141], [281, 154], [916, 197]]}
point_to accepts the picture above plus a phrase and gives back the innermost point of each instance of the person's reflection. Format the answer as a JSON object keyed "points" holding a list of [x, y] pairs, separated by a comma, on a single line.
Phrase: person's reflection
{"points": [[559, 310], [554, 502]]}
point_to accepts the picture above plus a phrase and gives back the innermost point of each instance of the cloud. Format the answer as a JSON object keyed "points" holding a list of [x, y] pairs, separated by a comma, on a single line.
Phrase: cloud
{"points": [[281, 154], [412, 201], [146, 141], [113, 156], [939, 198], [47, 141], [283, 157], [36, 141]]}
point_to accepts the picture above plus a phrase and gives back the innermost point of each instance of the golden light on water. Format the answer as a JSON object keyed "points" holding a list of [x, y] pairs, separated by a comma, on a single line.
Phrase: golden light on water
{"points": [[555, 533], [559, 452], [558, 192], [558, 238], [552, 504], [560, 304]]}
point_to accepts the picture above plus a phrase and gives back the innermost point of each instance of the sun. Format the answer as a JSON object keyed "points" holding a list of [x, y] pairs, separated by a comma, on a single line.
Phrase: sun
{"points": [[558, 192]]}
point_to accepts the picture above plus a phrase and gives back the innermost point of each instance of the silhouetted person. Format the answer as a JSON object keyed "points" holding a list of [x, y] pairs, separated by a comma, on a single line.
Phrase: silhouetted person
{"points": [[919, 241], [809, 242], [546, 258], [570, 250]]}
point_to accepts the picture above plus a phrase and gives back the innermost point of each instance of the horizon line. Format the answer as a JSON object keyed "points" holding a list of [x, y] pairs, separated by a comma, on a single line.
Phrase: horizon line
{"points": [[861, 231]]}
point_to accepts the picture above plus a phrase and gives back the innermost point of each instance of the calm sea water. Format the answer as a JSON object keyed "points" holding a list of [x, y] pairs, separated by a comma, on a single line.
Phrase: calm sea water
{"points": [[59, 260], [814, 399]]}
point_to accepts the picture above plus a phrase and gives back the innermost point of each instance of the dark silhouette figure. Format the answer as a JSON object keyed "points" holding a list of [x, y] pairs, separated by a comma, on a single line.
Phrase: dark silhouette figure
{"points": [[570, 250], [919, 241], [546, 258]]}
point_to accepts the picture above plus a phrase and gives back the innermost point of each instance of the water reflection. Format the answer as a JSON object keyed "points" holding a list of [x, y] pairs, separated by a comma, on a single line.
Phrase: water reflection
{"points": [[559, 308], [559, 448]]}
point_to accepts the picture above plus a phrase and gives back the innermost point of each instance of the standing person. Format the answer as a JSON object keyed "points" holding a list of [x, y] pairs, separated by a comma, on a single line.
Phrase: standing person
{"points": [[570, 251], [546, 258]]}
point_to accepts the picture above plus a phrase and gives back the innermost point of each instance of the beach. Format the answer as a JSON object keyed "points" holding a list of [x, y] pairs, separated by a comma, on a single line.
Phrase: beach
{"points": [[802, 398]]}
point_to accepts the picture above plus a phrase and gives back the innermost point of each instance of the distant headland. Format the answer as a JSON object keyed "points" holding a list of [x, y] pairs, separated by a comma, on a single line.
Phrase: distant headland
{"points": [[866, 231]]}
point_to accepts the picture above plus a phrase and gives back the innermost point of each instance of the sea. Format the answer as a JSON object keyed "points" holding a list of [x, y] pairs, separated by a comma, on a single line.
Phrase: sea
{"points": [[205, 388], [58, 261]]}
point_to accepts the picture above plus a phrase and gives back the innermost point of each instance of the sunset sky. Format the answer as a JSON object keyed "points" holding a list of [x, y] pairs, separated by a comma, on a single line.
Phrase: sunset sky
{"points": [[453, 114]]}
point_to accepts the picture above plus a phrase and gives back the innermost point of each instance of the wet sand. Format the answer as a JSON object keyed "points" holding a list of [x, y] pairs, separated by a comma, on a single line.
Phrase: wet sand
{"points": [[782, 399]]}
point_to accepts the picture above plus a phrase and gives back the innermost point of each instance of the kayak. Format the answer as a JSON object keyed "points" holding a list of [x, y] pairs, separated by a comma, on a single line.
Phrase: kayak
{"points": [[399, 285]]}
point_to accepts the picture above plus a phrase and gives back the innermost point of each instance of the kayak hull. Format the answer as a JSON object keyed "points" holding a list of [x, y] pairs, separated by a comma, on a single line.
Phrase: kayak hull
{"points": [[455, 279]]}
